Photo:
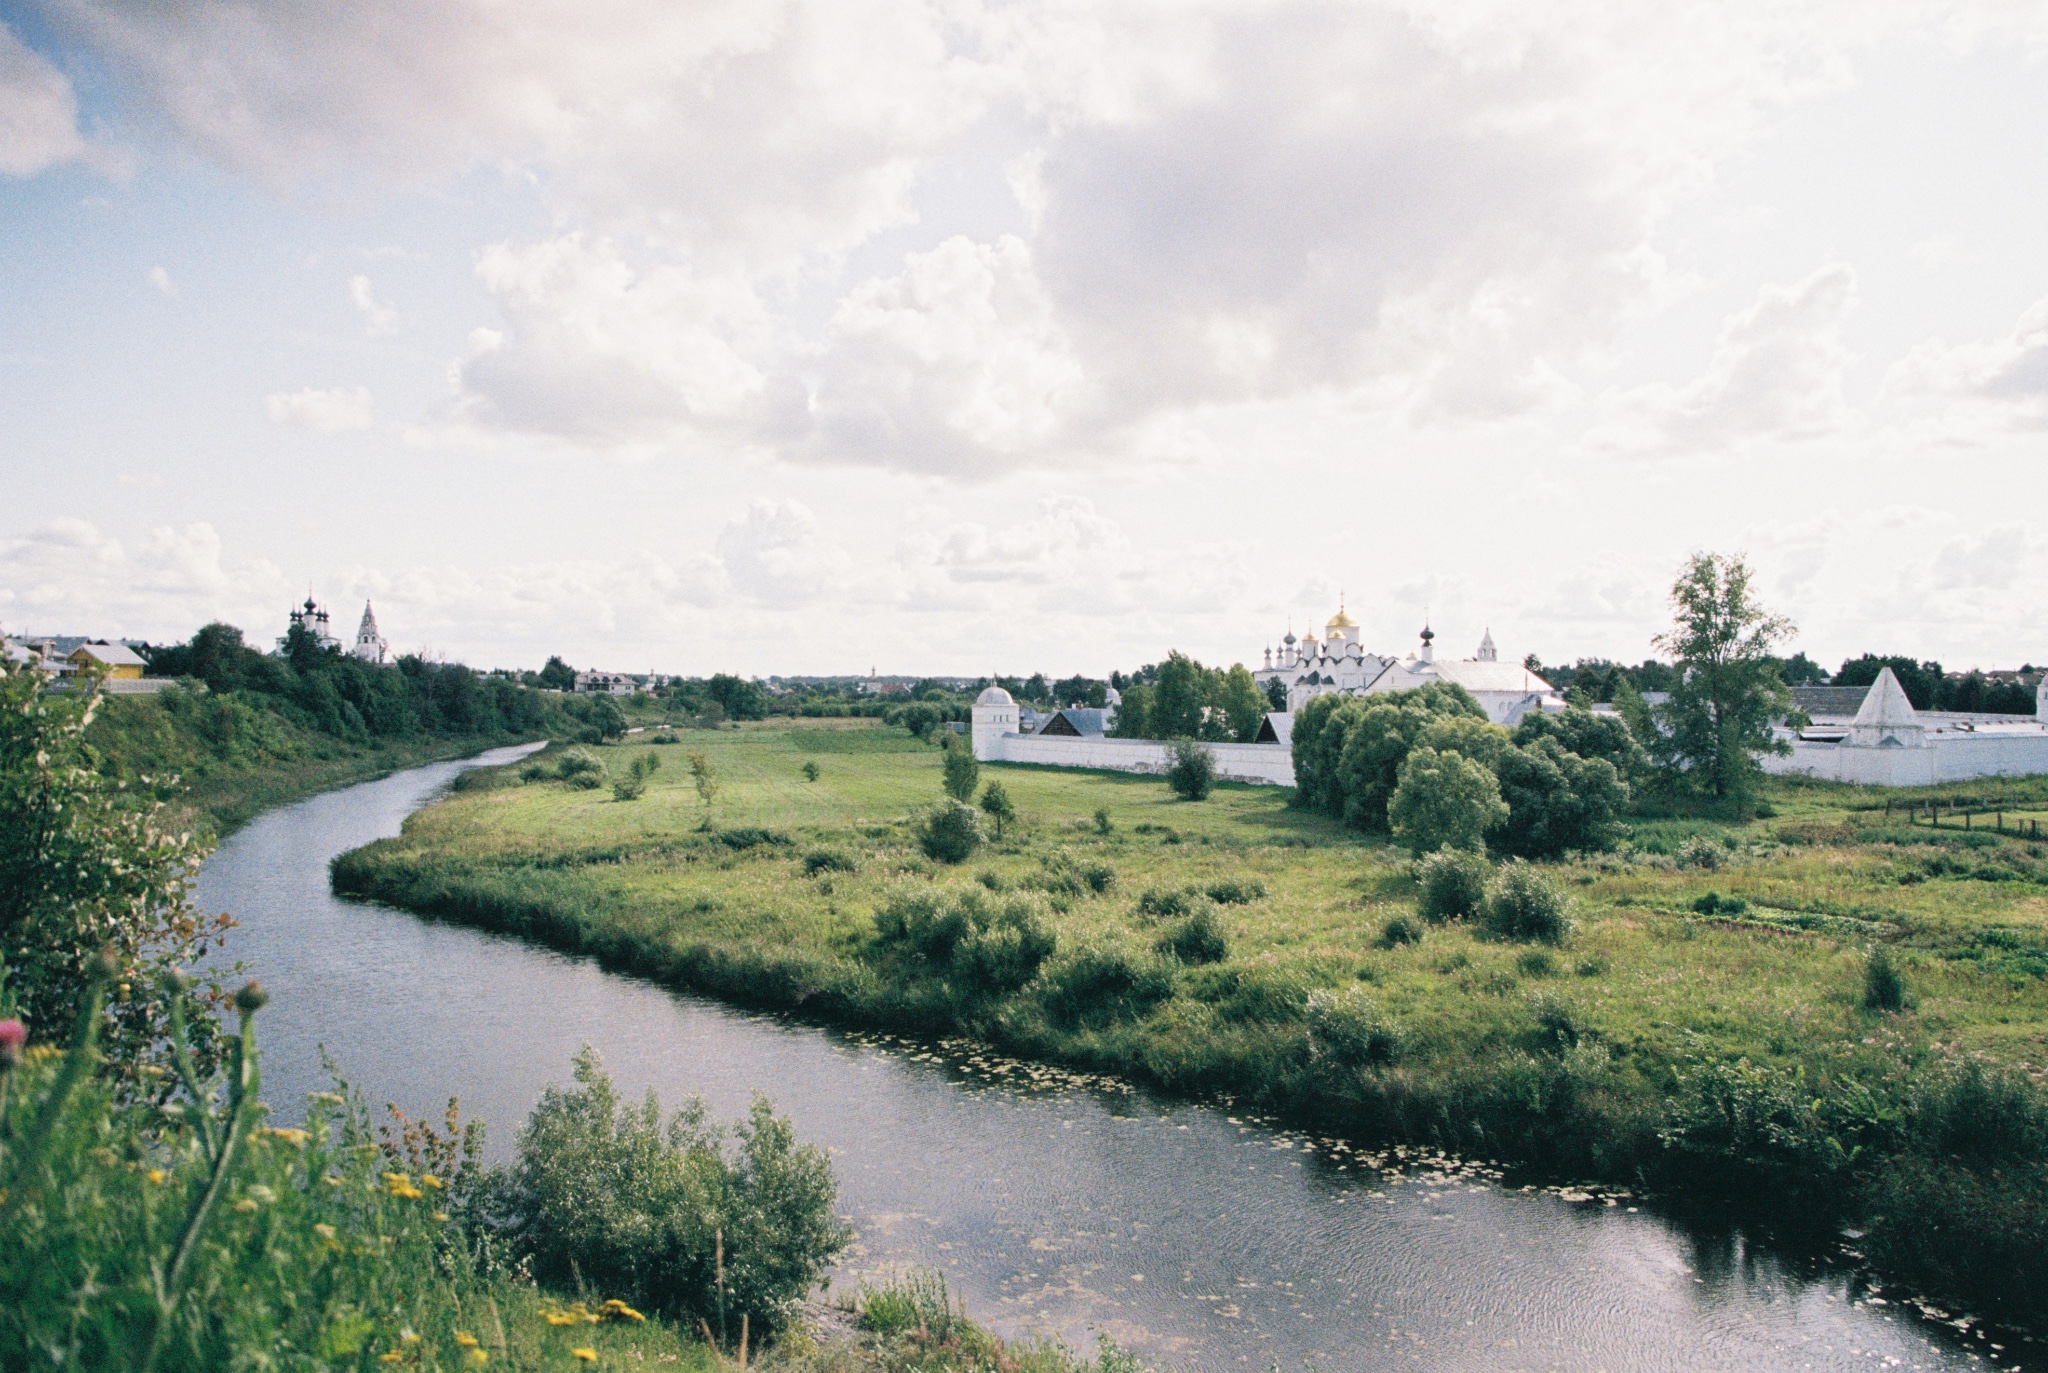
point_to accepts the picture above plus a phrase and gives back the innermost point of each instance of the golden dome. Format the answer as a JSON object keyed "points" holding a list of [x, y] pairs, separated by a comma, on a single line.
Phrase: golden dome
{"points": [[1341, 621]]}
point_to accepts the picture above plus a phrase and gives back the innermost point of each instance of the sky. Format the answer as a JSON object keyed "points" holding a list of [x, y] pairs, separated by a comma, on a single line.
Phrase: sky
{"points": [[970, 336]]}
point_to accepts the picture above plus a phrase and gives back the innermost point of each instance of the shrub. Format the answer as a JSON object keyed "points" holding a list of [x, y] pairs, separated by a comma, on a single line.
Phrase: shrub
{"points": [[1713, 903], [810, 770], [1557, 801], [827, 860], [1103, 982], [1197, 939], [1192, 774], [1701, 852], [648, 1229], [1398, 931], [1102, 825], [1536, 963], [665, 737], [1163, 903], [1557, 1023], [1236, 892], [629, 788], [997, 806], [1347, 1029], [950, 833], [1453, 884], [743, 837], [534, 772], [1883, 988], [585, 781], [579, 762], [1444, 800], [1527, 905]]}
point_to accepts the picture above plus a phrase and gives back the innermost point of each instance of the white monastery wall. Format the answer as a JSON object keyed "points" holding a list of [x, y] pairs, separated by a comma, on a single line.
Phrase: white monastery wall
{"points": [[1946, 758], [1268, 763]]}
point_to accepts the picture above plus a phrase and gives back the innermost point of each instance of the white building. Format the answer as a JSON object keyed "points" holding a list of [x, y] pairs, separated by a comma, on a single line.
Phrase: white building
{"points": [[607, 683], [1308, 667], [370, 645], [313, 619], [1888, 743], [997, 736]]}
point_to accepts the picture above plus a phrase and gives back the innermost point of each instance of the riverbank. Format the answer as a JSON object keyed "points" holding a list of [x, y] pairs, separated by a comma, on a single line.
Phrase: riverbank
{"points": [[1615, 1056], [232, 762]]}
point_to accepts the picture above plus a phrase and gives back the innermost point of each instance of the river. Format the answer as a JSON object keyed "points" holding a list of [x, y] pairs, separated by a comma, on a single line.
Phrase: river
{"points": [[1052, 1206]]}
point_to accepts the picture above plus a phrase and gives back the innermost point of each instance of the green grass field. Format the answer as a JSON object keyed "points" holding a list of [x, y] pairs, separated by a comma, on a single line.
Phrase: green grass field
{"points": [[1574, 1059]]}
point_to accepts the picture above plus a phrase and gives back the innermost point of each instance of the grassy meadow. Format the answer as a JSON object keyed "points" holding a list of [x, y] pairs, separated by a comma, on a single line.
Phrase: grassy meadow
{"points": [[1704, 1023]]}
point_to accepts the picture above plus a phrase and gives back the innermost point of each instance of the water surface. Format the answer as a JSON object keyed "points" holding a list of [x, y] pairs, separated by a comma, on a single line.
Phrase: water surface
{"points": [[1054, 1205]]}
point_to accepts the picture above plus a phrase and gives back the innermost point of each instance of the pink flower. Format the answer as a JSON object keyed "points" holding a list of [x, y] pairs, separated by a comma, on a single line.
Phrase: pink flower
{"points": [[13, 1036]]}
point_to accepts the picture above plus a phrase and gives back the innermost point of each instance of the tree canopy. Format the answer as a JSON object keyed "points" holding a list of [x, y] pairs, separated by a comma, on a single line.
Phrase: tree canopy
{"points": [[1718, 719]]}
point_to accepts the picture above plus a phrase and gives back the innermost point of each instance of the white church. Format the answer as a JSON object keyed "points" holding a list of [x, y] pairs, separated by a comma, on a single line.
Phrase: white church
{"points": [[369, 647], [1339, 662]]}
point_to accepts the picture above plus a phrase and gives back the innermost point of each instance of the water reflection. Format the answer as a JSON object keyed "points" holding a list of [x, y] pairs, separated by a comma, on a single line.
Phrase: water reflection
{"points": [[1054, 1204]]}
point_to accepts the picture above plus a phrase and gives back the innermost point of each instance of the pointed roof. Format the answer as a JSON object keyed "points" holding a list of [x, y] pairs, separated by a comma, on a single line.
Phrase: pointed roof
{"points": [[369, 620], [1885, 705], [1487, 652]]}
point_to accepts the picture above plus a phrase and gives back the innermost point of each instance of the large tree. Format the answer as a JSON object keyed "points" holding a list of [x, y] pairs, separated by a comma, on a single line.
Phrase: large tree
{"points": [[1241, 703], [1718, 720], [1180, 699]]}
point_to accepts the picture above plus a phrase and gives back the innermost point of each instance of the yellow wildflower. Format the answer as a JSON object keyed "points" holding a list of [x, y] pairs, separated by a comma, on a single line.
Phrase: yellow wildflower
{"points": [[393, 1357], [245, 1205], [477, 1356], [429, 1180], [438, 1216], [465, 1339], [399, 1185], [156, 1175], [324, 1231], [408, 1336], [616, 1310], [331, 1179], [585, 1353], [559, 1318], [296, 1138]]}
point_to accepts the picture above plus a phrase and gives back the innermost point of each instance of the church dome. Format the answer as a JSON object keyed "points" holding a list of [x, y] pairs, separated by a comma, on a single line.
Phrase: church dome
{"points": [[1341, 621], [994, 696]]}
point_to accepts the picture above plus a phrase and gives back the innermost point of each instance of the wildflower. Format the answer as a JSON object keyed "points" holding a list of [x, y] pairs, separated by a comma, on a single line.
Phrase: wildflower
{"points": [[559, 1318], [296, 1138], [399, 1185], [245, 1205], [328, 1098], [477, 1356], [616, 1310], [408, 1336], [465, 1339], [324, 1231], [429, 1180], [438, 1217], [585, 1353], [251, 998], [393, 1357], [331, 1179], [13, 1039], [262, 1195], [156, 1175]]}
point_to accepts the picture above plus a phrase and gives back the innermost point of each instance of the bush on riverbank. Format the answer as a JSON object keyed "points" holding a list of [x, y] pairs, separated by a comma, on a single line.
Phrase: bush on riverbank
{"points": [[1494, 1053]]}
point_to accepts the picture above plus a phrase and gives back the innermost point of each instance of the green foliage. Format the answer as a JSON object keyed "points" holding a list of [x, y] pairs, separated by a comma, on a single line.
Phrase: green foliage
{"points": [[557, 676], [631, 787], [1701, 852], [89, 869], [1883, 988], [1102, 822], [989, 948], [1589, 736], [961, 774], [1103, 981], [1165, 903], [1527, 904], [683, 1215], [828, 860], [705, 778], [1453, 884], [950, 833], [1399, 930], [1197, 939], [1192, 774], [736, 698], [810, 769], [1134, 718], [1242, 704], [1346, 1028], [1179, 700], [742, 837], [1557, 801], [1236, 891], [1444, 800], [1718, 719]]}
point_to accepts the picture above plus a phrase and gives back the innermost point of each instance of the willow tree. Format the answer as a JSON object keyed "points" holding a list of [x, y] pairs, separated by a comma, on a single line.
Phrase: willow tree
{"points": [[1717, 724]]}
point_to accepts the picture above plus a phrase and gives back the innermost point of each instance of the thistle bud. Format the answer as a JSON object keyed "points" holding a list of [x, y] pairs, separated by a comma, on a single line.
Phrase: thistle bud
{"points": [[250, 999], [13, 1040], [177, 982], [106, 964]]}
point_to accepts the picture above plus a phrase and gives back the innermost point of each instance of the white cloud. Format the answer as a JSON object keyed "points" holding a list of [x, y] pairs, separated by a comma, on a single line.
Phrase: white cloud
{"points": [[378, 318], [1776, 374], [68, 576], [38, 111], [161, 279], [331, 412], [1993, 561], [1975, 391]]}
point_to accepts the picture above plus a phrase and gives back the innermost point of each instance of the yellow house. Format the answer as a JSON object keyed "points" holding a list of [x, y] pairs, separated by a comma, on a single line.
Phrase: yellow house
{"points": [[119, 660]]}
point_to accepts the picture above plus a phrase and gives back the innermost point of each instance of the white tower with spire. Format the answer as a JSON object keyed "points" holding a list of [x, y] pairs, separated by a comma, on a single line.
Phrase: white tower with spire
{"points": [[370, 645], [1487, 652]]}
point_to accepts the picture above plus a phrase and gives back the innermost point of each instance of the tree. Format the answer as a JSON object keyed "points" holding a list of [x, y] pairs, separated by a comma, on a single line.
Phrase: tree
{"points": [[996, 805], [1035, 688], [1243, 705], [87, 870], [1080, 691], [741, 700], [557, 675], [1557, 801], [1192, 774], [1444, 800], [1276, 695], [1719, 716], [962, 774], [1380, 730], [1920, 681], [1134, 716], [950, 833], [705, 778], [1180, 699], [1593, 736], [606, 718]]}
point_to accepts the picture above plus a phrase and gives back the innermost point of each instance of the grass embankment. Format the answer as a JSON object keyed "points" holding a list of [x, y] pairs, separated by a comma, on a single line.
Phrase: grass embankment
{"points": [[235, 761], [1719, 1050]]}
